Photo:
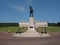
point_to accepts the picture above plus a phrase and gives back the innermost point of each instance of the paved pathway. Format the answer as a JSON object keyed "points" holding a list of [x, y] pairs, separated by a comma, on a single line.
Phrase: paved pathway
{"points": [[8, 39]]}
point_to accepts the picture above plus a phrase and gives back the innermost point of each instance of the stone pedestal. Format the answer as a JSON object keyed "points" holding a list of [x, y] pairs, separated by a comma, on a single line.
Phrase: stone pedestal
{"points": [[31, 20], [31, 24]]}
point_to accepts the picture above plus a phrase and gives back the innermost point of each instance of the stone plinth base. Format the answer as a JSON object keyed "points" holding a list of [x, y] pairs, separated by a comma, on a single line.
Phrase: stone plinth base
{"points": [[31, 33]]}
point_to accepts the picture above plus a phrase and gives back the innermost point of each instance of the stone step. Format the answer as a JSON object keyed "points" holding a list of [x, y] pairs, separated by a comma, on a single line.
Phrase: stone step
{"points": [[31, 35]]}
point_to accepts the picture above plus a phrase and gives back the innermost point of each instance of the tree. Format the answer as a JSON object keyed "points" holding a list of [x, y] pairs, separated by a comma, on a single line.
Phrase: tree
{"points": [[58, 24]]}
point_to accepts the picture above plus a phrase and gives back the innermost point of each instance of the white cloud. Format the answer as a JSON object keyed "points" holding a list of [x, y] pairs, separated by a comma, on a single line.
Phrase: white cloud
{"points": [[21, 9]]}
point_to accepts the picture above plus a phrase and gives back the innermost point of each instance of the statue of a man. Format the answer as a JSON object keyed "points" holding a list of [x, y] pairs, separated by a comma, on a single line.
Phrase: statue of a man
{"points": [[31, 12]]}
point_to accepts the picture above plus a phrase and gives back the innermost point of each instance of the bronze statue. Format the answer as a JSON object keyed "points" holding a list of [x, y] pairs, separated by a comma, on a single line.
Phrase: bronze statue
{"points": [[31, 12]]}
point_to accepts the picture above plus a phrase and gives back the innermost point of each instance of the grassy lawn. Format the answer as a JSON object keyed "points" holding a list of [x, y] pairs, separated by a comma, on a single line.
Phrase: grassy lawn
{"points": [[50, 29], [53, 29], [14, 29]]}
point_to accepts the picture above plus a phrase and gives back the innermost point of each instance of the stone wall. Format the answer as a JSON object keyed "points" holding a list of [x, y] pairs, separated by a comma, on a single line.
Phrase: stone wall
{"points": [[23, 24], [41, 24], [37, 24]]}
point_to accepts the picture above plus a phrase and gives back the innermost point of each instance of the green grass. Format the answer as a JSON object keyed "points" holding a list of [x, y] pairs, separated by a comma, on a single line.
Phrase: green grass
{"points": [[23, 29], [12, 29], [53, 29], [50, 29], [15, 29]]}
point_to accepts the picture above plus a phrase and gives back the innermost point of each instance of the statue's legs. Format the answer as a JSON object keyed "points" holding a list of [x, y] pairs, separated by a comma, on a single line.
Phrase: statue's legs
{"points": [[31, 14]]}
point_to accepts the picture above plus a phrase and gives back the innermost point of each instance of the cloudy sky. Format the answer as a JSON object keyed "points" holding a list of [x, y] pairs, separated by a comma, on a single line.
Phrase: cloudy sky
{"points": [[18, 10]]}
